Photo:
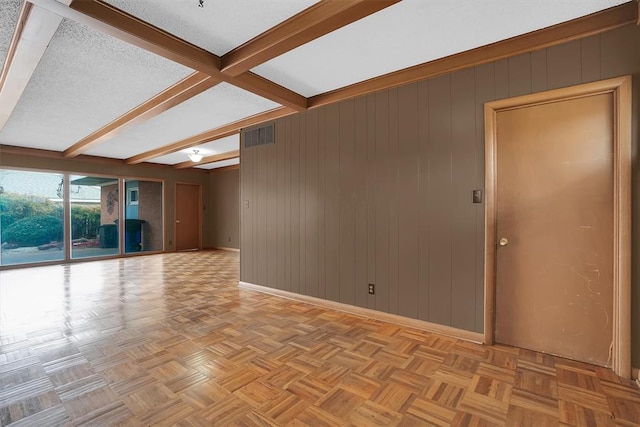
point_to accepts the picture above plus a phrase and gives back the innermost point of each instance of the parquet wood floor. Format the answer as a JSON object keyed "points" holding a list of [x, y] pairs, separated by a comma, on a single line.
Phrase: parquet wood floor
{"points": [[170, 340]]}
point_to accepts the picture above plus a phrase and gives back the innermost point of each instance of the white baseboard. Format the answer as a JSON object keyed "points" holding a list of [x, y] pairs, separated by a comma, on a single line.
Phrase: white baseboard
{"points": [[369, 313]]}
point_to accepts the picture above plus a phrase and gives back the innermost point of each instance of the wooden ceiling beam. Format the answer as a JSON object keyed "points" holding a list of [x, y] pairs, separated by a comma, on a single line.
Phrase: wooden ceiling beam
{"points": [[185, 89], [112, 21], [209, 159], [595, 23], [310, 24], [34, 31], [211, 135]]}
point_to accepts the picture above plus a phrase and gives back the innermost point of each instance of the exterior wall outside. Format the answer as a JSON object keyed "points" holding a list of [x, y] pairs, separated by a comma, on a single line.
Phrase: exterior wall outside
{"points": [[108, 216], [224, 208], [378, 189]]}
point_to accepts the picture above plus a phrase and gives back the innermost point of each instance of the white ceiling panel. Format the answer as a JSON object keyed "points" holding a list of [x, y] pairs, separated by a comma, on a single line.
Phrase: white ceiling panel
{"points": [[413, 32], [218, 26], [221, 164], [9, 13], [217, 106], [84, 81], [223, 145]]}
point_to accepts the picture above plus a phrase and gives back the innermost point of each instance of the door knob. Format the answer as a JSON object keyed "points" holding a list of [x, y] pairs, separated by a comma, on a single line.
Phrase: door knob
{"points": [[503, 241], [177, 221]]}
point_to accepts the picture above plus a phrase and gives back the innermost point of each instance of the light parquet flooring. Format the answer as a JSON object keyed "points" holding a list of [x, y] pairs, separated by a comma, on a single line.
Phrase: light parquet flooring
{"points": [[170, 340]]}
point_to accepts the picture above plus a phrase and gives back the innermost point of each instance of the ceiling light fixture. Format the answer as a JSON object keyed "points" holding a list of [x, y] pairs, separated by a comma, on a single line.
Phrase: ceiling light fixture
{"points": [[200, 3], [195, 157]]}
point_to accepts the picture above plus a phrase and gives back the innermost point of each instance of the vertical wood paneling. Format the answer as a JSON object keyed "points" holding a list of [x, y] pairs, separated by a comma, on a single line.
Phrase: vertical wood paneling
{"points": [[382, 201], [520, 75], [394, 289], [311, 203], [501, 78], [294, 186], [302, 191], [484, 92], [378, 189], [423, 200], [619, 50], [440, 199], [272, 215], [322, 204], [408, 201], [539, 71], [564, 65], [246, 224], [463, 146], [347, 202], [332, 202], [360, 186], [287, 203], [281, 222], [372, 194], [590, 53], [261, 214]]}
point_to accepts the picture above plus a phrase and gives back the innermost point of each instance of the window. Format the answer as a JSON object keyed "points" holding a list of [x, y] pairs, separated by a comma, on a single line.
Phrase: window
{"points": [[132, 195]]}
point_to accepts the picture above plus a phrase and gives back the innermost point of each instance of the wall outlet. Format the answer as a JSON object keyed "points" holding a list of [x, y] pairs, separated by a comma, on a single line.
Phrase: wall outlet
{"points": [[246, 204], [372, 289]]}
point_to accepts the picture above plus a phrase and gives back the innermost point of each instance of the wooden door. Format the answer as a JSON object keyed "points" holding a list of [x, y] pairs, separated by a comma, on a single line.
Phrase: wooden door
{"points": [[188, 218]]}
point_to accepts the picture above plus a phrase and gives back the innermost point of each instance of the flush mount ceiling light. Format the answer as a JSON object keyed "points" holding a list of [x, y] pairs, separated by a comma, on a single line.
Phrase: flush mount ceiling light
{"points": [[195, 157]]}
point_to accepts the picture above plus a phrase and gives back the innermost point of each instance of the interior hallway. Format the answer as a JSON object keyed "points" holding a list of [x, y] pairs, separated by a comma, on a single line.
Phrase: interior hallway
{"points": [[170, 339]]}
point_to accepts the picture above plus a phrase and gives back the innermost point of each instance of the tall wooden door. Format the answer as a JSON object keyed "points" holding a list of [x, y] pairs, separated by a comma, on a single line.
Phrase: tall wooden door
{"points": [[188, 216], [555, 227]]}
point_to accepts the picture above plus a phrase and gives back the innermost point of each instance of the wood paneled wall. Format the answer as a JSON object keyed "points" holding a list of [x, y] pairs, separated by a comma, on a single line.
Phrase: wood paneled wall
{"points": [[223, 208], [378, 189]]}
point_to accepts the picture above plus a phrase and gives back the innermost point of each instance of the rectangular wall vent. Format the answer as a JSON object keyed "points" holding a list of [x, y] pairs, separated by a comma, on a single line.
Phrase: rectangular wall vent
{"points": [[261, 135]]}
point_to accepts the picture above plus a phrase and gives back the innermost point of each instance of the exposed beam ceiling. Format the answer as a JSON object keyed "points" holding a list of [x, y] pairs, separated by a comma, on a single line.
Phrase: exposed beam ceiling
{"points": [[314, 22], [209, 159], [185, 89], [592, 24], [33, 34], [211, 135], [116, 23]]}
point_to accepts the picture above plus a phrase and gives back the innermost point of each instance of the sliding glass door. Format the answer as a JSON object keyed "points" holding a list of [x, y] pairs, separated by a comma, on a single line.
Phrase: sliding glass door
{"points": [[31, 217]]}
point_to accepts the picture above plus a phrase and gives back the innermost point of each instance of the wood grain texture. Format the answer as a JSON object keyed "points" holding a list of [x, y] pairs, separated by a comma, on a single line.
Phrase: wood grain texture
{"points": [[557, 34], [185, 89], [310, 24], [451, 127], [170, 340], [211, 135]]}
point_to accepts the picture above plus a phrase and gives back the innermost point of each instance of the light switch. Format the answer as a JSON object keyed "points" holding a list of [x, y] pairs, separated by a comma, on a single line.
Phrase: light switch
{"points": [[477, 196]]}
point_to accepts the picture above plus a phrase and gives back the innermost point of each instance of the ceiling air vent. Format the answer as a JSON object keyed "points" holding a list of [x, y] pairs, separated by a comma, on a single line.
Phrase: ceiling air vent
{"points": [[261, 135]]}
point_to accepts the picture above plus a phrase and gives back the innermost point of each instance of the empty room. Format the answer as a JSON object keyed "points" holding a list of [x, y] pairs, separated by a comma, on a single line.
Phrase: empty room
{"points": [[319, 212]]}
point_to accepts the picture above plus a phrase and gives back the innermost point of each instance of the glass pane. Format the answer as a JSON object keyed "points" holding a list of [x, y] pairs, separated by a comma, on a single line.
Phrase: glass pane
{"points": [[94, 216], [31, 217], [143, 216]]}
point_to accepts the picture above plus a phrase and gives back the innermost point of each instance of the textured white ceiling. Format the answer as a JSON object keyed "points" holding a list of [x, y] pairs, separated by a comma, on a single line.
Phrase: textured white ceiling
{"points": [[217, 106], [220, 164], [223, 145], [412, 32], [84, 80], [220, 25], [10, 10]]}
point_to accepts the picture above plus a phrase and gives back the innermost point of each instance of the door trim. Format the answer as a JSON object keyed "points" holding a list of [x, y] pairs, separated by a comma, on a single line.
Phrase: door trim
{"points": [[175, 213], [620, 87]]}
